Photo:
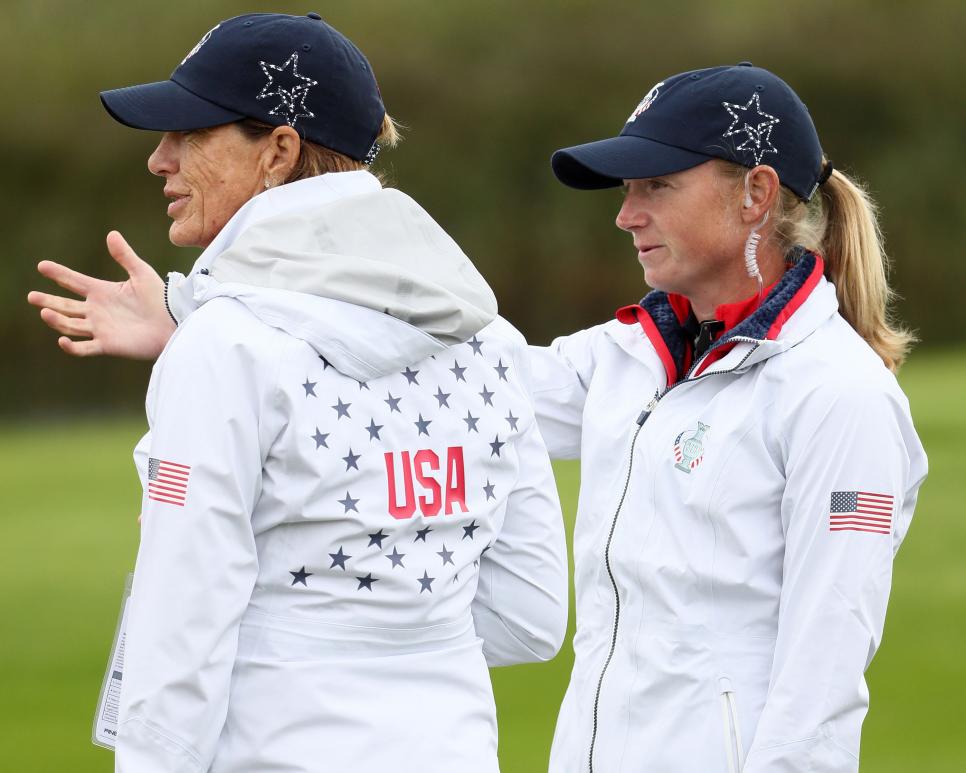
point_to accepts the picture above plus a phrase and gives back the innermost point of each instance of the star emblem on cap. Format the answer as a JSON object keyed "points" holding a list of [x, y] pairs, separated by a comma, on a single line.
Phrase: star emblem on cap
{"points": [[756, 126], [291, 87]]}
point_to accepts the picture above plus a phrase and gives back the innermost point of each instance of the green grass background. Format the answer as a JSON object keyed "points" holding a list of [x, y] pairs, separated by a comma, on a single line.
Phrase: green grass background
{"points": [[68, 536]]}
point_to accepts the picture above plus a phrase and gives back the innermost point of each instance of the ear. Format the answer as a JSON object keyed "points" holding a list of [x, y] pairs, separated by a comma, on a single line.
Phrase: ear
{"points": [[761, 192], [280, 154]]}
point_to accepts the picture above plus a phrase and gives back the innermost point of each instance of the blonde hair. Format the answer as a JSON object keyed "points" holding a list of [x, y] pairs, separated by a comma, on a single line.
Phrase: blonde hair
{"points": [[315, 159], [841, 224]]}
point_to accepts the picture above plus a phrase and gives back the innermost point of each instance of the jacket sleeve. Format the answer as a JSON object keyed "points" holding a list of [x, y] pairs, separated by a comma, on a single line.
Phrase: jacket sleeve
{"points": [[196, 565], [837, 572], [561, 374], [520, 608]]}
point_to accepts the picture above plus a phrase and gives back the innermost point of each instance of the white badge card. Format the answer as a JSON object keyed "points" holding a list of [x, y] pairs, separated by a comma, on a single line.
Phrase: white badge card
{"points": [[105, 719]]}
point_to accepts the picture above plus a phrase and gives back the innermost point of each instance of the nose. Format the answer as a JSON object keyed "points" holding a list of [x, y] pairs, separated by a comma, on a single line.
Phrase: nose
{"points": [[164, 160], [632, 213]]}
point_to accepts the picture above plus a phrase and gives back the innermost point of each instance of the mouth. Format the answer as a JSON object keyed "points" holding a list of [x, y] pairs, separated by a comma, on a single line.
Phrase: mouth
{"points": [[178, 203], [645, 250]]}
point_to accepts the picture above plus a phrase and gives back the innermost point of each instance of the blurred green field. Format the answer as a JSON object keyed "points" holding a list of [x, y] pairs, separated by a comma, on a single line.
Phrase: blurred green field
{"points": [[69, 534]]}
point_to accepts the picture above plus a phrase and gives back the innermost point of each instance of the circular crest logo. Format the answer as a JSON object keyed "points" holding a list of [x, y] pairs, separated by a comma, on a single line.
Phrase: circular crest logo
{"points": [[646, 102], [201, 42], [688, 448]]}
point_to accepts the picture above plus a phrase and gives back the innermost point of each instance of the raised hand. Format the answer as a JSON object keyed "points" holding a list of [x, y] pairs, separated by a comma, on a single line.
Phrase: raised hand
{"points": [[123, 319]]}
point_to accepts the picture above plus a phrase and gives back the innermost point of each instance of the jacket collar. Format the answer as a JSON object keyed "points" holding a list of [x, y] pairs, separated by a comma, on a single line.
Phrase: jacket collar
{"points": [[790, 311]]}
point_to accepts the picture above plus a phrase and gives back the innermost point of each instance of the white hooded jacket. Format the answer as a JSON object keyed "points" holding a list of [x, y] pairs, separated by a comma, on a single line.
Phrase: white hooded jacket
{"points": [[348, 512], [735, 535]]}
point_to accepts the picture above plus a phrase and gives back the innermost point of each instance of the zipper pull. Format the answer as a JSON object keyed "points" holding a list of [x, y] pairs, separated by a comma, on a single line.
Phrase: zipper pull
{"points": [[648, 409]]}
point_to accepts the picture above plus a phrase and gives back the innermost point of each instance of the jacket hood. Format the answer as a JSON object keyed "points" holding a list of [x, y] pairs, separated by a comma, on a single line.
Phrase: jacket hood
{"points": [[362, 274]]}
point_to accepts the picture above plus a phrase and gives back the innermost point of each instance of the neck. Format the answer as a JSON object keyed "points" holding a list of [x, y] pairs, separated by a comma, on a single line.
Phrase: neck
{"points": [[771, 263]]}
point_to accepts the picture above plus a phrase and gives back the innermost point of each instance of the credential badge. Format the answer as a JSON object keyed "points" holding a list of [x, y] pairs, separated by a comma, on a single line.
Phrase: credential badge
{"points": [[688, 448]]}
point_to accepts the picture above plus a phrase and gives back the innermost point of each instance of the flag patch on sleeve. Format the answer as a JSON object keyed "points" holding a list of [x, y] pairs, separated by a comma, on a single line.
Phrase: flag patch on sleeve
{"points": [[861, 511], [168, 481]]}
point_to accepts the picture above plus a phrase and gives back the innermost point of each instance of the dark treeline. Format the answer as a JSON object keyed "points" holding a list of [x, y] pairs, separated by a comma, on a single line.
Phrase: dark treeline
{"points": [[487, 90]]}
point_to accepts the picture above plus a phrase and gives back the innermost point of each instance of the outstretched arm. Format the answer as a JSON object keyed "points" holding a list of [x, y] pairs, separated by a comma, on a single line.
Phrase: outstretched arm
{"points": [[124, 319]]}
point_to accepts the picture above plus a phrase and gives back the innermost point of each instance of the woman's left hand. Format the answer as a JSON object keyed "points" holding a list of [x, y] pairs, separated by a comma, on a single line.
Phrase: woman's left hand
{"points": [[124, 319]]}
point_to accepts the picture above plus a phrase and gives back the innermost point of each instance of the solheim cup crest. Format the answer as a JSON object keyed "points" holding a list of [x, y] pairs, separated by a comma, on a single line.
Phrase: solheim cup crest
{"points": [[646, 102], [688, 448]]}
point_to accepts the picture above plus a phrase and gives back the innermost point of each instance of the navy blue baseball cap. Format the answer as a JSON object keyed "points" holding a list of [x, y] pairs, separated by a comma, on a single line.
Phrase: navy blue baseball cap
{"points": [[743, 114], [275, 68]]}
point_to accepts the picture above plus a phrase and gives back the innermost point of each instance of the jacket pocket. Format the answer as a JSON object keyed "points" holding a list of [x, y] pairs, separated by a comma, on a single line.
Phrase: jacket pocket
{"points": [[734, 751]]}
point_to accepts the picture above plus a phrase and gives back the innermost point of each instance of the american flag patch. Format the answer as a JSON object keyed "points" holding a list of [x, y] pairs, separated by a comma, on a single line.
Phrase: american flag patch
{"points": [[168, 481], [861, 511]]}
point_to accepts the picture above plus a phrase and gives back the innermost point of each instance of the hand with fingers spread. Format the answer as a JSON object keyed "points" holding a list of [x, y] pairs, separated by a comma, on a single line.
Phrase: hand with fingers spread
{"points": [[123, 319]]}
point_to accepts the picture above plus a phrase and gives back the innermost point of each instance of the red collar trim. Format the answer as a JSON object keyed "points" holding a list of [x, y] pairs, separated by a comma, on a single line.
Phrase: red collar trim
{"points": [[729, 313], [635, 313], [798, 298]]}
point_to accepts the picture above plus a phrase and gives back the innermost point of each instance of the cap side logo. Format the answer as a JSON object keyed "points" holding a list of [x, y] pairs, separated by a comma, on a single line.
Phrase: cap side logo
{"points": [[285, 82], [756, 126], [646, 102], [199, 44]]}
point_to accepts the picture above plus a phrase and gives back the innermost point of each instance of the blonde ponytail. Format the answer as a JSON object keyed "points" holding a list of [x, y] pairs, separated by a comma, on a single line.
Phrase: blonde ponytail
{"points": [[856, 264]]}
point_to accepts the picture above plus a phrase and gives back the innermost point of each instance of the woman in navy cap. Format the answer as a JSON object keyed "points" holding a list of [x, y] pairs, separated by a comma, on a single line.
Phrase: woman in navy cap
{"points": [[733, 558], [348, 511], [733, 561]]}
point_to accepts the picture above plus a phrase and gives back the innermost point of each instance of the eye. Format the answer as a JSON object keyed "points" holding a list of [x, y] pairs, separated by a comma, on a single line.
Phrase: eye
{"points": [[656, 184]]}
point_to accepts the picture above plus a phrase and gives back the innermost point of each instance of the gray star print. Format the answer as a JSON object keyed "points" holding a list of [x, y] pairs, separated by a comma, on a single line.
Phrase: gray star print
{"points": [[349, 503], [339, 559], [446, 555], [351, 461], [426, 582]]}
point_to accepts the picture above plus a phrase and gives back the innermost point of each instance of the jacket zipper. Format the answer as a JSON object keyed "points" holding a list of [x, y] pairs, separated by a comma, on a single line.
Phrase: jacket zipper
{"points": [[645, 414], [617, 599]]}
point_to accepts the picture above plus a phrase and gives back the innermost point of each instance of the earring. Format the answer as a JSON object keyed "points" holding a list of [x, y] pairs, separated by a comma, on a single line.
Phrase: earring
{"points": [[268, 183]]}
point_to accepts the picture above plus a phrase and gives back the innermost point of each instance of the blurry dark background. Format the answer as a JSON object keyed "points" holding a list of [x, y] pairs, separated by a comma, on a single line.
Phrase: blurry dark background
{"points": [[487, 90]]}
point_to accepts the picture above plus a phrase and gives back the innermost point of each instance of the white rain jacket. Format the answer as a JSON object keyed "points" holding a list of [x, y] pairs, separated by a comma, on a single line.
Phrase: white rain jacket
{"points": [[735, 535], [347, 514]]}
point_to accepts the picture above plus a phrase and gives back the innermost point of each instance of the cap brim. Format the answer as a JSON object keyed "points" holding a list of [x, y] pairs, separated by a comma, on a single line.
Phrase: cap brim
{"points": [[164, 106], [607, 163]]}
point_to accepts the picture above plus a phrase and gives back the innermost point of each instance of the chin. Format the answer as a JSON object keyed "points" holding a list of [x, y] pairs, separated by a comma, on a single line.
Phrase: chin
{"points": [[182, 237]]}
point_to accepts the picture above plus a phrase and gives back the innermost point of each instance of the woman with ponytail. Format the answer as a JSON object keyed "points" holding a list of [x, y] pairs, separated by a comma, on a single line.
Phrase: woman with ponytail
{"points": [[748, 462], [749, 466]]}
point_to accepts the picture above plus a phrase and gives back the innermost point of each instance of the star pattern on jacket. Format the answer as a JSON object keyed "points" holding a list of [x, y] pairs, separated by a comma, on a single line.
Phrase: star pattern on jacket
{"points": [[341, 409], [426, 582], [465, 408], [393, 403], [351, 461], [300, 576], [446, 555], [320, 439], [367, 582], [338, 559], [349, 503]]}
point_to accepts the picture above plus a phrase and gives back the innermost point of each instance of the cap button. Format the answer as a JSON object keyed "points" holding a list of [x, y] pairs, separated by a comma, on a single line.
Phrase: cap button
{"points": [[314, 15], [745, 64]]}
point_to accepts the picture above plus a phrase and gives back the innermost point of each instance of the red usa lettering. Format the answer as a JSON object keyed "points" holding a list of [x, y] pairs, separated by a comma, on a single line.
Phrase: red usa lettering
{"points": [[406, 470]]}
